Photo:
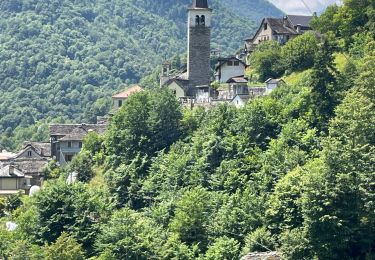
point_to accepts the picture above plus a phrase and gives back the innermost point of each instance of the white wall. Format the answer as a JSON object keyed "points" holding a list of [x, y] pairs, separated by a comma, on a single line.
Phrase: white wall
{"points": [[228, 72], [194, 12]]}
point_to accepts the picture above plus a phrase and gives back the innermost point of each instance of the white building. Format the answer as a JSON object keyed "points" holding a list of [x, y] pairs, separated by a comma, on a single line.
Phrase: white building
{"points": [[228, 68]]}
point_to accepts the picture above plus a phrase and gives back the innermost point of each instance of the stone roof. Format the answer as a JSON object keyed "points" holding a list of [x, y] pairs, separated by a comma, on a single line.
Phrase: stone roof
{"points": [[75, 130], [277, 25], [237, 79], [223, 61], [302, 20], [262, 256], [5, 172], [5, 156], [273, 81], [127, 93], [41, 148], [31, 166]]}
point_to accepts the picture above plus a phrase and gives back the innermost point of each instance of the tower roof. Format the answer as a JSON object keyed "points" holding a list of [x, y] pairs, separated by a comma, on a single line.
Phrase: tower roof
{"points": [[200, 4]]}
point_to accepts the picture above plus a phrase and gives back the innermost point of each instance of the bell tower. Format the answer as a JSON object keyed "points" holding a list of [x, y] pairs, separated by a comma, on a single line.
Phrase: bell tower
{"points": [[199, 43]]}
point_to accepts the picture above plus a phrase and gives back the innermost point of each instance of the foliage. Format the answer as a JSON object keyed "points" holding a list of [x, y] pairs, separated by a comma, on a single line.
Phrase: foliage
{"points": [[267, 60], [299, 53], [65, 247], [223, 248], [62, 60]]}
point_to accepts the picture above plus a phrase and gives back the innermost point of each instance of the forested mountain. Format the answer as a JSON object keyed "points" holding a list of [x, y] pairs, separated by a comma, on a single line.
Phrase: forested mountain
{"points": [[254, 10], [62, 60]]}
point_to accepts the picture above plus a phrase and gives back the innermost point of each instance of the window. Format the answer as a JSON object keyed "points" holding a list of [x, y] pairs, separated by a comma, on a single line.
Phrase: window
{"points": [[230, 63], [68, 157], [29, 153], [80, 144], [265, 26], [197, 20], [203, 20], [69, 144], [236, 63], [120, 103]]}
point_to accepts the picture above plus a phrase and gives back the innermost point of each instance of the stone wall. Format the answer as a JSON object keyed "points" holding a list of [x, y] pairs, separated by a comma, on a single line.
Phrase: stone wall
{"points": [[199, 71]]}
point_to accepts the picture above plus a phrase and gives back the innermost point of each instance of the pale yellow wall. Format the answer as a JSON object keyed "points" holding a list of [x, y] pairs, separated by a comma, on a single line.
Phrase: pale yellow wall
{"points": [[9, 184], [178, 90]]}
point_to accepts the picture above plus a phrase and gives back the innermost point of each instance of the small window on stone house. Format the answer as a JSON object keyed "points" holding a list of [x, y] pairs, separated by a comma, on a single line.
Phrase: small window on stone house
{"points": [[265, 26], [29, 153], [120, 103], [230, 63], [69, 144], [236, 63]]}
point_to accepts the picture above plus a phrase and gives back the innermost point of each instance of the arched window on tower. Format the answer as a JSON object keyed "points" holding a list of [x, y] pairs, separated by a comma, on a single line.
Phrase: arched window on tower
{"points": [[203, 20], [197, 20]]}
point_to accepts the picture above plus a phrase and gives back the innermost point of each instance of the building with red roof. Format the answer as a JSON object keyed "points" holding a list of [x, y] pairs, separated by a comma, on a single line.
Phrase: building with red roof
{"points": [[120, 98]]}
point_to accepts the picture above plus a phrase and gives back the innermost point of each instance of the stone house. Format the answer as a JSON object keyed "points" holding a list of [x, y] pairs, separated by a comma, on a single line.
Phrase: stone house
{"points": [[120, 98], [32, 160], [66, 139], [240, 100], [12, 180], [272, 84], [228, 68], [279, 29]]}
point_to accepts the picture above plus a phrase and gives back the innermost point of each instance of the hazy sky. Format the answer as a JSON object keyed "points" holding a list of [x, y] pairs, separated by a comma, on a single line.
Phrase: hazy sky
{"points": [[297, 6]]}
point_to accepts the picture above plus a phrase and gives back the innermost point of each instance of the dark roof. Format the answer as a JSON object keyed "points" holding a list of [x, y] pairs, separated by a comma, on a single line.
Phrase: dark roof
{"points": [[67, 129], [200, 4], [274, 81], [31, 166], [237, 79], [41, 148], [277, 25], [302, 20], [4, 172], [222, 61]]}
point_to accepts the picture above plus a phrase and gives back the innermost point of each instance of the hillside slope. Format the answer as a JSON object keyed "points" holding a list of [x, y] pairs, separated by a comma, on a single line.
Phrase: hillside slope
{"points": [[58, 58]]}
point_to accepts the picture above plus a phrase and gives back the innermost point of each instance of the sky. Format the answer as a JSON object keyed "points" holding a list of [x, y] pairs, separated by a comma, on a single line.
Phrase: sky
{"points": [[298, 6]]}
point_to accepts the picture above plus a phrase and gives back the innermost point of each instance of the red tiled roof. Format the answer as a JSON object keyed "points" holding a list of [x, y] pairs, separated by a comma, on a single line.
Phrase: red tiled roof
{"points": [[127, 93]]}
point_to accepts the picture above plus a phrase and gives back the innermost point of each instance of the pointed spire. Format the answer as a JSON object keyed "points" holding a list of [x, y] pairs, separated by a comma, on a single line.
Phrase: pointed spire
{"points": [[200, 4]]}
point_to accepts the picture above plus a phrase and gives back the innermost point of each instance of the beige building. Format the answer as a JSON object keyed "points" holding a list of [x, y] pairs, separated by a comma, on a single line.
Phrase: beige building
{"points": [[279, 29], [12, 180], [120, 98]]}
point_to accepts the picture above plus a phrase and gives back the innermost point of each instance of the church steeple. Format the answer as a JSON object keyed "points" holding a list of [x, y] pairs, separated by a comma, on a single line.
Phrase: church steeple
{"points": [[199, 41], [200, 4]]}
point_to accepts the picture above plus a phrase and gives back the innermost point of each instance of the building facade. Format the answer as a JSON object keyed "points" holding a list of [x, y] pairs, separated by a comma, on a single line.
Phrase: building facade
{"points": [[279, 29], [67, 139]]}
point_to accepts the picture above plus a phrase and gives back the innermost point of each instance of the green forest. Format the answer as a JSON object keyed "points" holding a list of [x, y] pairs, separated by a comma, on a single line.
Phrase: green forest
{"points": [[60, 61], [292, 172]]}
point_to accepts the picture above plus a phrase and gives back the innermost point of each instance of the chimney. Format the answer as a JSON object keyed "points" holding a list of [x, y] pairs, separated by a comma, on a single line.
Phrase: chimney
{"points": [[299, 28], [285, 20], [11, 169]]}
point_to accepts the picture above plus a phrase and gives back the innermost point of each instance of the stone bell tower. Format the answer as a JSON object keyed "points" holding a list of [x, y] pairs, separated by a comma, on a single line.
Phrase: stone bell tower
{"points": [[199, 43]]}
